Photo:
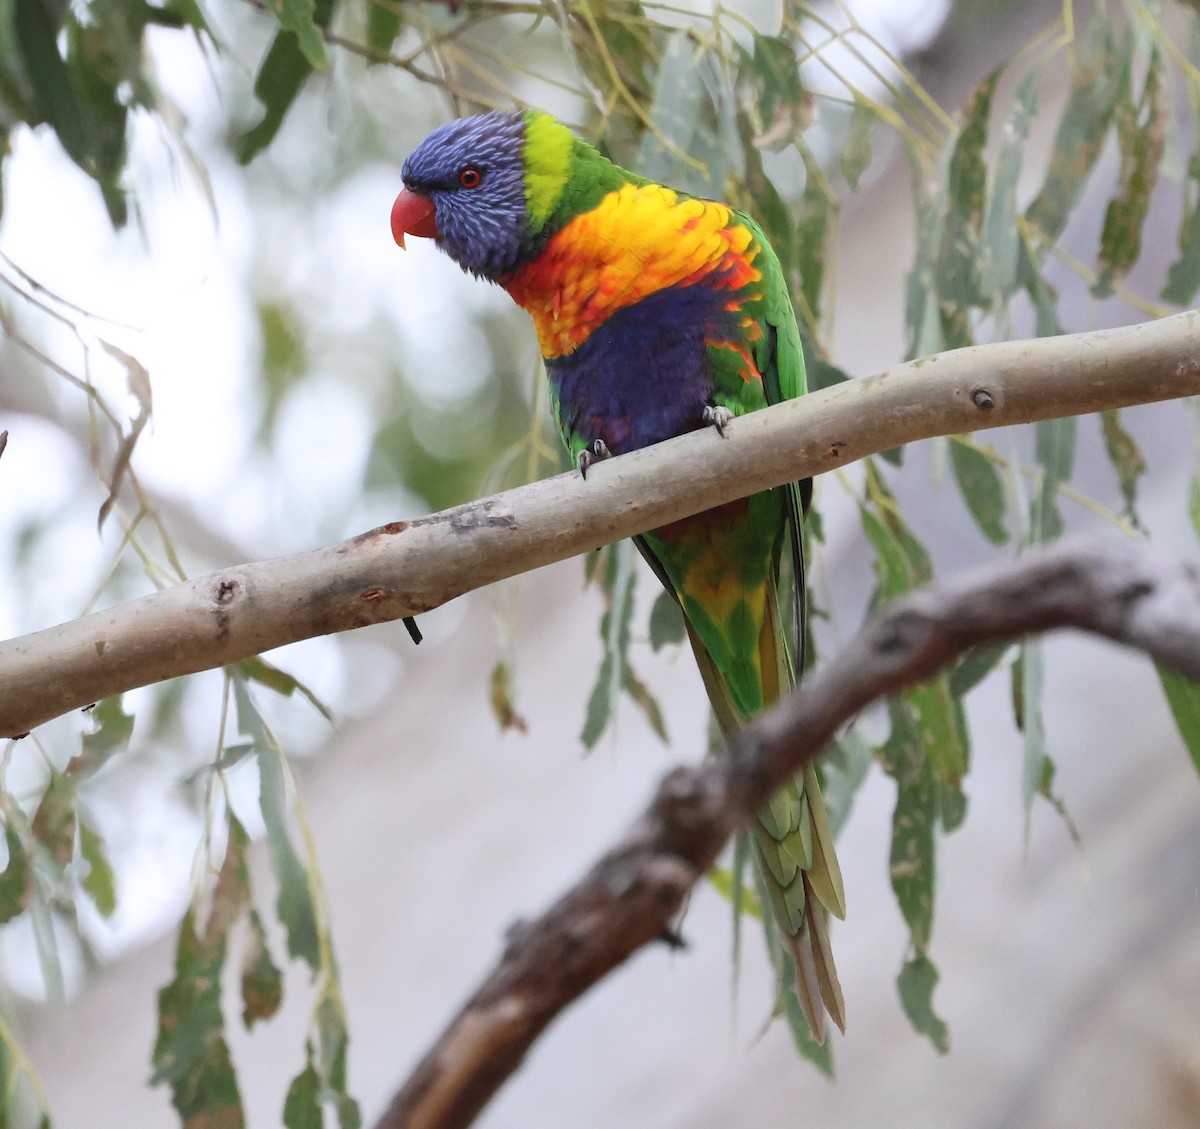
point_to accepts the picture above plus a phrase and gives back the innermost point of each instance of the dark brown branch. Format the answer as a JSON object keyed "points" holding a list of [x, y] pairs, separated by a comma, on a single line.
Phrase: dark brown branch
{"points": [[632, 895]]}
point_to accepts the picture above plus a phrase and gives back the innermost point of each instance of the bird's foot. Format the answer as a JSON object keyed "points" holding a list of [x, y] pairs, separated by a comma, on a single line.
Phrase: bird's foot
{"points": [[596, 451], [714, 415]]}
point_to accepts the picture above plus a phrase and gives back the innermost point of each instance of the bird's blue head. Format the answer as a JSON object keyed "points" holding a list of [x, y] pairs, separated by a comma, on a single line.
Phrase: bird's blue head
{"points": [[464, 186]]}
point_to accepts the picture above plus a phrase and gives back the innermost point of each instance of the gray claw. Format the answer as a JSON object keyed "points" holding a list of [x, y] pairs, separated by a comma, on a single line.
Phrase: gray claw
{"points": [[717, 416], [594, 452]]}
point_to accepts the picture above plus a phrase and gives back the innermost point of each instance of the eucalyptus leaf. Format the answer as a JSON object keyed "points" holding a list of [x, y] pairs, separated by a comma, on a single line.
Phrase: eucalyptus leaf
{"points": [[912, 865], [300, 18], [302, 1106], [261, 980], [856, 151], [1055, 444], [1101, 74], [294, 906], [100, 883], [691, 137], [16, 880], [285, 68], [385, 20], [1126, 457], [1183, 276], [981, 488], [1001, 235], [191, 1055], [1183, 696], [916, 983], [1141, 136], [666, 622], [959, 282]]}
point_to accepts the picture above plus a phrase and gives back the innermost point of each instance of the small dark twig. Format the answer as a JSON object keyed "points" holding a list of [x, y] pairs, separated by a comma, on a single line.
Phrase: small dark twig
{"points": [[3, 441], [631, 896]]}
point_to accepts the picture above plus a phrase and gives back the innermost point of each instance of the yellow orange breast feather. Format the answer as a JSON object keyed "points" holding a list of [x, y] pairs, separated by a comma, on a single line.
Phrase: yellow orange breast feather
{"points": [[636, 241]]}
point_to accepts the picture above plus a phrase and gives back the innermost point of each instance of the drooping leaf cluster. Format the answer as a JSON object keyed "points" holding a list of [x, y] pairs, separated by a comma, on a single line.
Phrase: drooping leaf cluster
{"points": [[82, 69]]}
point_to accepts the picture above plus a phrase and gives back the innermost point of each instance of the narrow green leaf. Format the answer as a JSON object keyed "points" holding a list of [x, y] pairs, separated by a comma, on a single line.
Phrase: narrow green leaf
{"points": [[1183, 276], [300, 18], [333, 1043], [1183, 696], [114, 727], [646, 702], [294, 905], [974, 667], [952, 806], [55, 819], [916, 982], [820, 373], [302, 1107], [722, 880], [1055, 444], [912, 865], [384, 21], [922, 318], [1102, 72], [37, 24], [981, 488], [692, 116], [844, 769], [190, 1053], [257, 669], [104, 55], [231, 891], [856, 150], [784, 106], [1126, 457], [100, 882], [16, 880], [1043, 295], [178, 13], [500, 698], [600, 705], [902, 562], [813, 227], [1001, 237], [959, 283], [284, 71], [618, 581], [1032, 684], [1141, 135], [937, 729], [770, 209], [819, 1054], [666, 622], [628, 41], [262, 981]]}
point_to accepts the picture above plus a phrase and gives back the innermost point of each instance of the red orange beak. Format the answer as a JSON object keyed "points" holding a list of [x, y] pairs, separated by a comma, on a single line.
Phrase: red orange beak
{"points": [[413, 214]]}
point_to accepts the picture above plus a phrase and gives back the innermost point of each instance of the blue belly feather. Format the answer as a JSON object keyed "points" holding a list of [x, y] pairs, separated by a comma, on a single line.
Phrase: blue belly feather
{"points": [[644, 375]]}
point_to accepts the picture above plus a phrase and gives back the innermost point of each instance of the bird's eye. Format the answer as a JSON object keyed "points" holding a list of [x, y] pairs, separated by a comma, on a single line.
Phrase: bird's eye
{"points": [[470, 178]]}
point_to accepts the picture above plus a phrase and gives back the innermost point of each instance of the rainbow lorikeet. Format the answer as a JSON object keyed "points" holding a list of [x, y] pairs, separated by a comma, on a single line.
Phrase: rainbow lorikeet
{"points": [[658, 313]]}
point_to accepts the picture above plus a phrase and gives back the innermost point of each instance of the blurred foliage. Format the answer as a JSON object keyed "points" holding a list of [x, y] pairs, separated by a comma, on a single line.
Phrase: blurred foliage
{"points": [[786, 116]]}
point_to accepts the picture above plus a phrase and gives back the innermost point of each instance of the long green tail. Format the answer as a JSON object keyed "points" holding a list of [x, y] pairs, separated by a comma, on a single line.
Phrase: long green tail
{"points": [[793, 843]]}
